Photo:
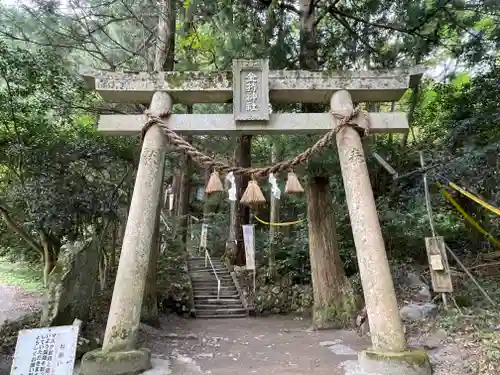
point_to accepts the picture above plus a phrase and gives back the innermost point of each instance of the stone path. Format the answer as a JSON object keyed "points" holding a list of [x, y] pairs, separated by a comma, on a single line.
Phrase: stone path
{"points": [[265, 346]]}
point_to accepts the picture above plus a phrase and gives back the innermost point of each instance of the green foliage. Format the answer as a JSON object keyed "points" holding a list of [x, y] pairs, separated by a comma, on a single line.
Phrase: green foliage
{"points": [[58, 175], [20, 274]]}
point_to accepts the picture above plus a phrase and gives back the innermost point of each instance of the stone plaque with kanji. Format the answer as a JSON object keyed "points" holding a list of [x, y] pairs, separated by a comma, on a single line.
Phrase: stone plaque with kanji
{"points": [[45, 351], [251, 90]]}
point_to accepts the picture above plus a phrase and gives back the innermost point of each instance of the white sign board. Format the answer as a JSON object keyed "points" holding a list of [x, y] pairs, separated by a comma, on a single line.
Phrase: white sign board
{"points": [[45, 351], [170, 202], [249, 240], [203, 237]]}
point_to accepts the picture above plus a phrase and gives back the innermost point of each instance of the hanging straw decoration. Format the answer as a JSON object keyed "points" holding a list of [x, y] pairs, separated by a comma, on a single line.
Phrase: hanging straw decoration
{"points": [[293, 185], [253, 196], [214, 184]]}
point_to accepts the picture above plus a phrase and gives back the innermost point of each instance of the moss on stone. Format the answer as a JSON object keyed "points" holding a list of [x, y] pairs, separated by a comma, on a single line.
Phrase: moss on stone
{"points": [[414, 357], [336, 314], [98, 356], [177, 80]]}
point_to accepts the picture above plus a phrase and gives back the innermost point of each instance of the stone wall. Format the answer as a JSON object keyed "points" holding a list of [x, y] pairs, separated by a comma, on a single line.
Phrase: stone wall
{"points": [[282, 297], [174, 285]]}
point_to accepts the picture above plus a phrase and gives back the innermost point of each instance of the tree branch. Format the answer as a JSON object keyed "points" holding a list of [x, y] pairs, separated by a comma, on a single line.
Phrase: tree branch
{"points": [[17, 229]]}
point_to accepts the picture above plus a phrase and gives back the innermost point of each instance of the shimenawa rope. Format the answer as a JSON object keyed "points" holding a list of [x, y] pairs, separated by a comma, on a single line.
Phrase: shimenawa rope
{"points": [[181, 145]]}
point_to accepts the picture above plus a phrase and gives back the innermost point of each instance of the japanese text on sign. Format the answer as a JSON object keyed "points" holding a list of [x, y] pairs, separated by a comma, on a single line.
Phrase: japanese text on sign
{"points": [[43, 354], [251, 86], [44, 351]]}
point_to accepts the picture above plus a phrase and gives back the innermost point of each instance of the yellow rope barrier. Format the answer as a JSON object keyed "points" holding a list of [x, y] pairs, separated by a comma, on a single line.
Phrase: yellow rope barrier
{"points": [[476, 225], [278, 224], [475, 199]]}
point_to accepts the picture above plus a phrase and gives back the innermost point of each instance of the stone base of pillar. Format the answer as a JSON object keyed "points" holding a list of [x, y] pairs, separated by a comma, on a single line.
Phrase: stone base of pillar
{"points": [[131, 362], [410, 362]]}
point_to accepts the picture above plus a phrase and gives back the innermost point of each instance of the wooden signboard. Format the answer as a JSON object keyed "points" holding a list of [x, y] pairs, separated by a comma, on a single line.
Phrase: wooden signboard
{"points": [[438, 265]]}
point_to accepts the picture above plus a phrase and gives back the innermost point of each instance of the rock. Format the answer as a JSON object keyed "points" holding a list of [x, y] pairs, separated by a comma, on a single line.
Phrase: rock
{"points": [[413, 280], [85, 345], [362, 323], [423, 295], [416, 312], [364, 328], [205, 355], [434, 340], [71, 284], [329, 343]]}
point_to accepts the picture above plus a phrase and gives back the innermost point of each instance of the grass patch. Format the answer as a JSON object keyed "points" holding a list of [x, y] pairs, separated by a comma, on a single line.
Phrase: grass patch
{"points": [[20, 274]]}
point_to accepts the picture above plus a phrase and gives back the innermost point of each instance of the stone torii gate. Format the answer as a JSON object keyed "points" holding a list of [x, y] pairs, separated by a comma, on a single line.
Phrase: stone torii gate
{"points": [[252, 87]]}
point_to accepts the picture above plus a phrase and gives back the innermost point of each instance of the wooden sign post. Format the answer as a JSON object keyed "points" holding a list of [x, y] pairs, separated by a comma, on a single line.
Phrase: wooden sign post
{"points": [[438, 265]]}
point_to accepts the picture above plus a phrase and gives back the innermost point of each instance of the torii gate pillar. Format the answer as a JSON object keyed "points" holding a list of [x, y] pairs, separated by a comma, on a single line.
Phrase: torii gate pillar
{"points": [[389, 354], [119, 354]]}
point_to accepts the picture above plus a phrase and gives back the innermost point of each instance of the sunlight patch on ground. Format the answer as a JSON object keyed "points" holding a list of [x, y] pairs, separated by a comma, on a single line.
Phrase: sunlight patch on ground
{"points": [[20, 274]]}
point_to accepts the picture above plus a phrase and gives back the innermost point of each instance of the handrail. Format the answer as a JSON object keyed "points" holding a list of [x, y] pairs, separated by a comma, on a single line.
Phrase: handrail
{"points": [[207, 256]]}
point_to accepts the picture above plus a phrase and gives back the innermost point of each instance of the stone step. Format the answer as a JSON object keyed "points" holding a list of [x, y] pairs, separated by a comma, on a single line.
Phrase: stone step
{"points": [[202, 271], [211, 289], [211, 277], [202, 262], [204, 306], [212, 281], [219, 310], [213, 292], [202, 265], [221, 301], [213, 286], [221, 316], [209, 269], [211, 296]]}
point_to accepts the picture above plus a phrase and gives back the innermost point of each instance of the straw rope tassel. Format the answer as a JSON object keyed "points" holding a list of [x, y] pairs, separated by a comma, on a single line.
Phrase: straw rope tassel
{"points": [[293, 185], [253, 196], [214, 184]]}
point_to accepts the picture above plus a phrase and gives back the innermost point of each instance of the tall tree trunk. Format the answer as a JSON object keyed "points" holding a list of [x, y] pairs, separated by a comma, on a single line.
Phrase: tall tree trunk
{"points": [[114, 244], [243, 212], [49, 257], [184, 194], [334, 301]]}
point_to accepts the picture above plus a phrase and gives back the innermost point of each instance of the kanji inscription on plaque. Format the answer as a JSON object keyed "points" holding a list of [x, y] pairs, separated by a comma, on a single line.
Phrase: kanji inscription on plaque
{"points": [[45, 351], [251, 90]]}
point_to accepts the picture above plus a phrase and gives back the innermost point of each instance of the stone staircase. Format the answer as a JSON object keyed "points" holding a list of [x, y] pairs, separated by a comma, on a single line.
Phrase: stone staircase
{"points": [[204, 283]]}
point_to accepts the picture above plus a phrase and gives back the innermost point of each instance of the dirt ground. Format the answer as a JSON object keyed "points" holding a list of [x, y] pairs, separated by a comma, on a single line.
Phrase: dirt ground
{"points": [[272, 345], [15, 302], [276, 345]]}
